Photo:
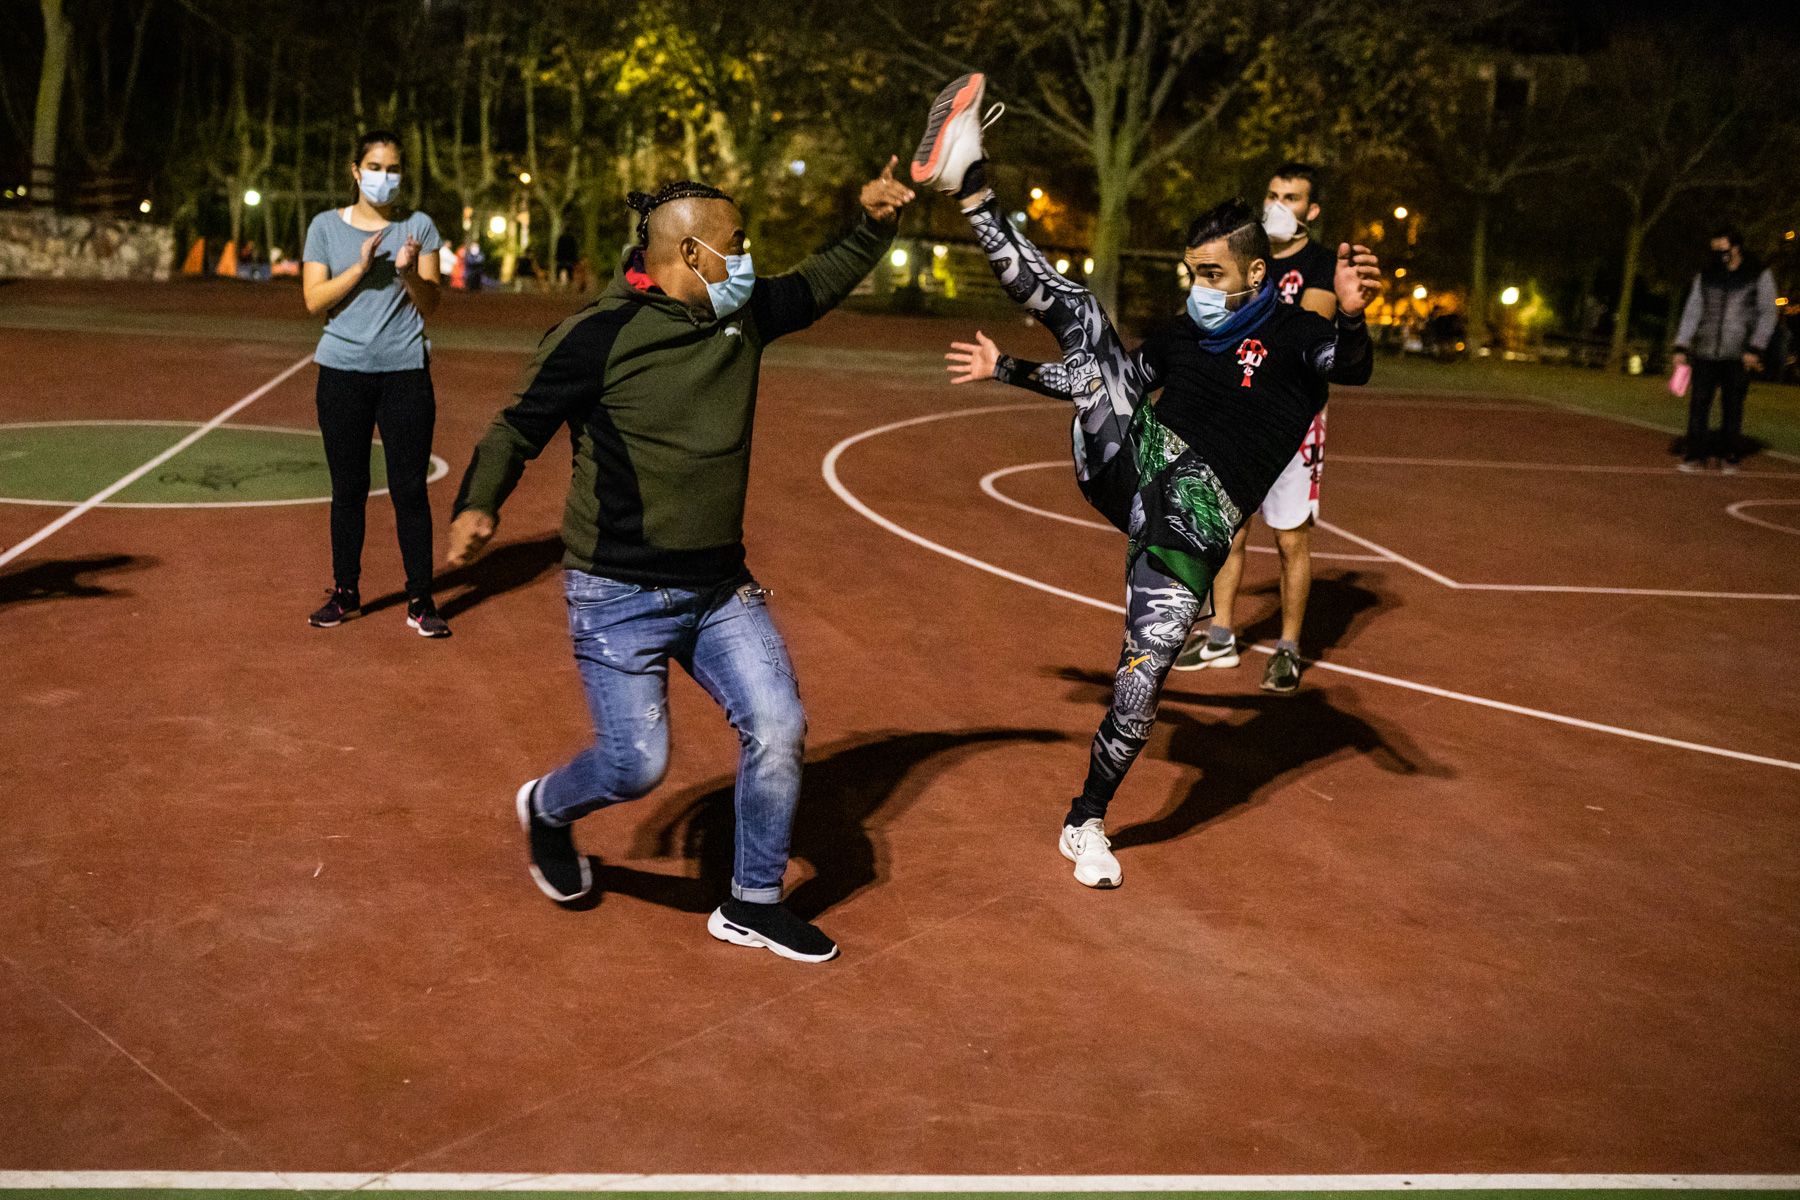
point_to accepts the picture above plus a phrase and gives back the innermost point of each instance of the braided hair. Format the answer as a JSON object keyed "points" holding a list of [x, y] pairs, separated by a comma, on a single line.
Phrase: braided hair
{"points": [[645, 203]]}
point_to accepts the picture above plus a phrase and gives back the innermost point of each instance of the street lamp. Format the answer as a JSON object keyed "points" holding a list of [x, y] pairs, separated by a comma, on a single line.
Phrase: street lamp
{"points": [[1400, 212], [1419, 293], [497, 225], [1037, 193], [525, 178], [144, 207], [252, 197], [939, 250], [1062, 266], [899, 257], [1510, 297], [1087, 266]]}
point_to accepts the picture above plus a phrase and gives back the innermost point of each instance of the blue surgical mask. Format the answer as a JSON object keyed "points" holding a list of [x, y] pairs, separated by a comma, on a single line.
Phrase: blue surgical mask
{"points": [[1209, 306], [378, 186], [734, 292]]}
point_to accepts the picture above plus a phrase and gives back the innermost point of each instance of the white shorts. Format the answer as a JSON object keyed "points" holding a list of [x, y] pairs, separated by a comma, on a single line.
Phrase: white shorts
{"points": [[1294, 500]]}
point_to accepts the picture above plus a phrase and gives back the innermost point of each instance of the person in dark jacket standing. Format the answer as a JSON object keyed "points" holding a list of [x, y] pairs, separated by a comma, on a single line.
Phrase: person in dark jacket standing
{"points": [[1725, 330], [657, 382]]}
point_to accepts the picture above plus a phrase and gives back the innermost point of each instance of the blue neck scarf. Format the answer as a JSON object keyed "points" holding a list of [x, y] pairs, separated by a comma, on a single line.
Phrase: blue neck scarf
{"points": [[1244, 321]]}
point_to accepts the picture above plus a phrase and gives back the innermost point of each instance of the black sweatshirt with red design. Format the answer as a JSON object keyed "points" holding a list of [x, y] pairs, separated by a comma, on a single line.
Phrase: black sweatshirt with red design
{"points": [[1245, 410]]}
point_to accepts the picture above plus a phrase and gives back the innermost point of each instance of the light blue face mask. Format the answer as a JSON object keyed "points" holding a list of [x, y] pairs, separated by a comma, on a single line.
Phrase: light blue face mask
{"points": [[378, 186], [734, 292], [1209, 306]]}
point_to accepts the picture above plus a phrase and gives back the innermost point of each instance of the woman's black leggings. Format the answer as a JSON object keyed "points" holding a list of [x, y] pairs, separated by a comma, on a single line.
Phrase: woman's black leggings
{"points": [[352, 405]]}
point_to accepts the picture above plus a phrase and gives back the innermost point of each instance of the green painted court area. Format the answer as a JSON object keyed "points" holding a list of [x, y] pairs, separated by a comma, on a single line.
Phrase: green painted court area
{"points": [[67, 462]]}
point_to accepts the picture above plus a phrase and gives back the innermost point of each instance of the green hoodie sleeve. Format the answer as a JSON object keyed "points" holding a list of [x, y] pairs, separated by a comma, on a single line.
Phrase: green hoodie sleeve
{"points": [[784, 304], [562, 384]]}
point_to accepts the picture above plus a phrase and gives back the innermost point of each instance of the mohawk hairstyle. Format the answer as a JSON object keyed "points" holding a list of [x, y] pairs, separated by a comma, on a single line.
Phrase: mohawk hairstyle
{"points": [[645, 203]]}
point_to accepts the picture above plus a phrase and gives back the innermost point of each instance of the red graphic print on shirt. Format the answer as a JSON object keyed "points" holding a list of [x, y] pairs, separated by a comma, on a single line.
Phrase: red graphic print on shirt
{"points": [[1250, 355]]}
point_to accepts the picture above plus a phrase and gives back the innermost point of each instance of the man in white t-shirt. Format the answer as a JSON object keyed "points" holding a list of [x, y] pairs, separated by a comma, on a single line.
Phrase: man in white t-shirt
{"points": [[1302, 271]]}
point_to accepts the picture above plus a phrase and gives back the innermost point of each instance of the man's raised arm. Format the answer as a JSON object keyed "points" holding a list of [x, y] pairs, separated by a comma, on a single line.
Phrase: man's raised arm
{"points": [[787, 303]]}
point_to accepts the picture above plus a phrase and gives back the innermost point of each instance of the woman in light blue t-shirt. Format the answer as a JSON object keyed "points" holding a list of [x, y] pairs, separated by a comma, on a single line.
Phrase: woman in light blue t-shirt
{"points": [[372, 268]]}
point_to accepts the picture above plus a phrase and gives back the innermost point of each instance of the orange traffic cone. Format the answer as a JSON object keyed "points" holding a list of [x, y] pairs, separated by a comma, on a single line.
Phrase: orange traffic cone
{"points": [[227, 267], [196, 259]]}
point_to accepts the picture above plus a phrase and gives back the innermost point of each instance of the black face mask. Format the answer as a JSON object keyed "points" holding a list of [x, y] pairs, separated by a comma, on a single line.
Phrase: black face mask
{"points": [[1724, 257]]}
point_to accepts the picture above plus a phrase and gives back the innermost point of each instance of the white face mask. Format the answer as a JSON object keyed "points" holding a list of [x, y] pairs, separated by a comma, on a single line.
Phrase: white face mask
{"points": [[378, 186], [1279, 222]]}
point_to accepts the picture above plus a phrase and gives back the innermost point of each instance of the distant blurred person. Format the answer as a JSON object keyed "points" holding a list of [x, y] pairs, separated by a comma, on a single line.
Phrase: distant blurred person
{"points": [[1724, 335], [1302, 271], [372, 267], [474, 263], [567, 251]]}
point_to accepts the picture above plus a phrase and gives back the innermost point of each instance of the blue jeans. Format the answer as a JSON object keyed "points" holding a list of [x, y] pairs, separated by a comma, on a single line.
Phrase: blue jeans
{"points": [[723, 636]]}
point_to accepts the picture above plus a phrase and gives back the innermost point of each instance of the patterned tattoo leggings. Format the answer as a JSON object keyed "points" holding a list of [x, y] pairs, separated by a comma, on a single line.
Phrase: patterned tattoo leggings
{"points": [[1107, 384]]}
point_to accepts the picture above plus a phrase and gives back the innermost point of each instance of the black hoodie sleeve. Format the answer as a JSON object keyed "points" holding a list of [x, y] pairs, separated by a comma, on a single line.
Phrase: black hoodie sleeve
{"points": [[784, 304], [1348, 356]]}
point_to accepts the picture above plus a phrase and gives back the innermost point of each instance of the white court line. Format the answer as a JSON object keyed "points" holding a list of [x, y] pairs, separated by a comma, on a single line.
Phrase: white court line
{"points": [[836, 484], [1391, 555], [131, 477], [949, 1184], [988, 485], [1733, 510], [1496, 464]]}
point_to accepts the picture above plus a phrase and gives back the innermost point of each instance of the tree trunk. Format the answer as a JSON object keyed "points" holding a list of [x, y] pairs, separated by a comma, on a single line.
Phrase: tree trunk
{"points": [[1634, 244], [51, 76], [1111, 228], [1478, 280]]}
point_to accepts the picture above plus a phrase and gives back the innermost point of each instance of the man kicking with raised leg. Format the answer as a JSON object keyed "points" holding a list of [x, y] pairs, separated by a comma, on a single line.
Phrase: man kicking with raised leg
{"points": [[1241, 377]]}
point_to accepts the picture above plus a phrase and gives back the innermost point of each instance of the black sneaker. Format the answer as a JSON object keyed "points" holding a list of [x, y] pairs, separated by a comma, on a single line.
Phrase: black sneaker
{"points": [[1283, 673], [560, 871], [340, 605], [772, 927], [422, 615]]}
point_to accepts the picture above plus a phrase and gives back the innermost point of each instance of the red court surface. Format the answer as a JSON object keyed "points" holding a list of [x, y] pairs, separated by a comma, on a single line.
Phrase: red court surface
{"points": [[1510, 885]]}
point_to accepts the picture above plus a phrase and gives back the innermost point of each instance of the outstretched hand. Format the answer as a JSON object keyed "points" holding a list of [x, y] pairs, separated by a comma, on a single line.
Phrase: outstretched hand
{"points": [[884, 196], [470, 533], [1358, 278], [972, 362]]}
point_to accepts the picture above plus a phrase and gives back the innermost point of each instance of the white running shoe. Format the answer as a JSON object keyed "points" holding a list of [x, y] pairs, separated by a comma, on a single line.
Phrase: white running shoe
{"points": [[1086, 846], [952, 141], [1201, 654]]}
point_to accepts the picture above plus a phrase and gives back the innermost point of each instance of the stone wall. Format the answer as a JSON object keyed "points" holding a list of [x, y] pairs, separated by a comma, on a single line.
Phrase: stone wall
{"points": [[41, 244]]}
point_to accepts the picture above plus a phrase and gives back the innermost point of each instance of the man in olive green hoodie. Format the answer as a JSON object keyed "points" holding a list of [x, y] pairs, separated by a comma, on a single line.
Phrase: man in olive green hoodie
{"points": [[656, 381]]}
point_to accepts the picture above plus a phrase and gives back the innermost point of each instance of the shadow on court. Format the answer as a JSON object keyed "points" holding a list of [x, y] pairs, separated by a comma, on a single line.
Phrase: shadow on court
{"points": [[67, 578], [505, 568], [1336, 609], [1283, 738], [851, 790]]}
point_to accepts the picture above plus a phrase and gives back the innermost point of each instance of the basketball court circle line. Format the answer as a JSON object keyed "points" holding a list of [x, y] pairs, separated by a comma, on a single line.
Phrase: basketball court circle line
{"points": [[130, 477], [1384, 554], [1736, 511], [829, 469], [439, 468], [989, 485], [275, 1182]]}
